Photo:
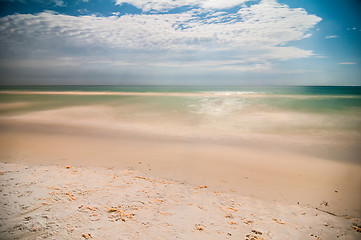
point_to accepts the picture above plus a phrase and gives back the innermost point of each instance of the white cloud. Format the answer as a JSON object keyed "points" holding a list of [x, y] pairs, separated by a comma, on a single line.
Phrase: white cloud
{"points": [[162, 5], [331, 36], [252, 37], [347, 63], [286, 53], [59, 3], [61, 62]]}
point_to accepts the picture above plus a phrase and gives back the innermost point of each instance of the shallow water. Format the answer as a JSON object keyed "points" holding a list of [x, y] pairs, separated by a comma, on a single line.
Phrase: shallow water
{"points": [[302, 115]]}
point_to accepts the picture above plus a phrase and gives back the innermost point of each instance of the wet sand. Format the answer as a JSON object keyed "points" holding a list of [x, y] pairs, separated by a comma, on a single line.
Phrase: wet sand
{"points": [[263, 172]]}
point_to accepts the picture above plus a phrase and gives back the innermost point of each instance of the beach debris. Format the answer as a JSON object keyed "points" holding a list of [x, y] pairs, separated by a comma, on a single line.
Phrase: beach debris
{"points": [[324, 203], [278, 221], [256, 232], [341, 235], [233, 223], [71, 196], [230, 216], [83, 208], [122, 215], [90, 208], [86, 235], [142, 178], [254, 235], [199, 227], [156, 200], [233, 209], [67, 167], [329, 213], [317, 237], [357, 227], [248, 222]]}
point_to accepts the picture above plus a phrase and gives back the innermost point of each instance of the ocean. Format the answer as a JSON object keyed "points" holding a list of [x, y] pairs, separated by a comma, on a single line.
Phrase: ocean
{"points": [[310, 116]]}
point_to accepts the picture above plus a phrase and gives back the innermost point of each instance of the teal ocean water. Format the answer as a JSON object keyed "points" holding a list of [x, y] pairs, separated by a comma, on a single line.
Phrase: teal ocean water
{"points": [[303, 115], [319, 99]]}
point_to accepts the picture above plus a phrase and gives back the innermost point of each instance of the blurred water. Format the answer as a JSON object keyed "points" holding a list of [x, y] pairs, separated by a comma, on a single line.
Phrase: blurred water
{"points": [[312, 113]]}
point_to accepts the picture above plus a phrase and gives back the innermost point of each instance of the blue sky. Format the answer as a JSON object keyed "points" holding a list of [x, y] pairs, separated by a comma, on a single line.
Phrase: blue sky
{"points": [[223, 42]]}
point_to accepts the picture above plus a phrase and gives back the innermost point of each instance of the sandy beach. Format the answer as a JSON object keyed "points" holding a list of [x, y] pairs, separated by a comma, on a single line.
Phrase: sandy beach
{"points": [[52, 202], [153, 166], [66, 182]]}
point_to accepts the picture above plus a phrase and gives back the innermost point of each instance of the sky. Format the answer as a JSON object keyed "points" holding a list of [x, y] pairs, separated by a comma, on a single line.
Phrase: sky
{"points": [[182, 42]]}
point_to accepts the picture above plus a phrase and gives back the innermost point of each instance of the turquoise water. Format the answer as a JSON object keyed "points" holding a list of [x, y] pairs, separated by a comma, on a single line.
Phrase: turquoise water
{"points": [[306, 114], [303, 99]]}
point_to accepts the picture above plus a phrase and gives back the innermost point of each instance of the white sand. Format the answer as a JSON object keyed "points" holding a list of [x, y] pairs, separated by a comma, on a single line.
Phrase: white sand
{"points": [[53, 202]]}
